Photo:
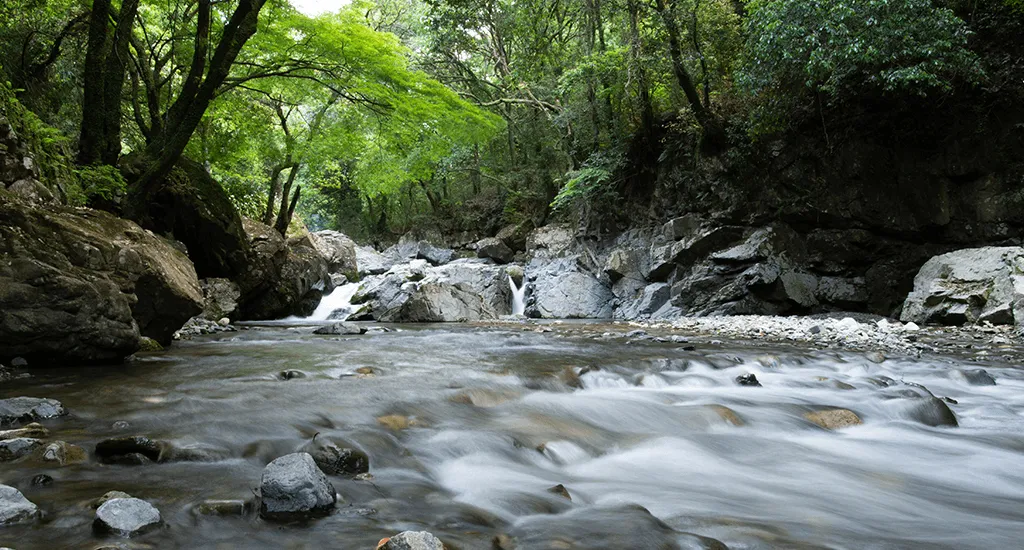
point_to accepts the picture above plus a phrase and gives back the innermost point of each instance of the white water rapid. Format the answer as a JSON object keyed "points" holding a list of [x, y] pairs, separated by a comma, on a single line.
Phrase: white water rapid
{"points": [[518, 297], [335, 306]]}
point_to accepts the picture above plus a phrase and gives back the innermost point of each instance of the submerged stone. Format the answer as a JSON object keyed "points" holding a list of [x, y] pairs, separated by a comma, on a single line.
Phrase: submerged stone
{"points": [[834, 419], [28, 409]]}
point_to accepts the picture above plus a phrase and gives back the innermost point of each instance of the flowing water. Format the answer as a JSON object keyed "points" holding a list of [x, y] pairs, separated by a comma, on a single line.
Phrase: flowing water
{"points": [[479, 423], [518, 297]]}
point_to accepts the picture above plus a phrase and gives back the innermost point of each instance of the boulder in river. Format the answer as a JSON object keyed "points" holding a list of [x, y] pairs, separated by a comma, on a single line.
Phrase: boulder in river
{"points": [[19, 447], [340, 329], [294, 487], [969, 286], [126, 517], [64, 453], [284, 277], [27, 409], [413, 540], [31, 430], [83, 285], [14, 507], [334, 460], [136, 449], [602, 528], [974, 377], [834, 419]]}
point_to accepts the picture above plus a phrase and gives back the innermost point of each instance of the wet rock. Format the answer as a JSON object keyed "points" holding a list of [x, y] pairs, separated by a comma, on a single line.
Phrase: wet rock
{"points": [[19, 362], [19, 447], [109, 495], [413, 540], [561, 491], [14, 507], [64, 453], [126, 517], [27, 409], [334, 460], [340, 329], [930, 411], [42, 480], [33, 430], [291, 374], [221, 508], [833, 419], [121, 425], [132, 450], [969, 286], [875, 356], [727, 414], [149, 345], [396, 422], [748, 380], [293, 486], [602, 528], [974, 377], [494, 249]]}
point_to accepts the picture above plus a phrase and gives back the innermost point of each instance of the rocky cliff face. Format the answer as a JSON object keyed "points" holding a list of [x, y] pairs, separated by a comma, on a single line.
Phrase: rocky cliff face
{"points": [[80, 285]]}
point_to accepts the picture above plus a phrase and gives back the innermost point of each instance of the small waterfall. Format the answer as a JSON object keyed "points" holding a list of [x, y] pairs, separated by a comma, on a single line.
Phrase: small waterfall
{"points": [[340, 301], [518, 297]]}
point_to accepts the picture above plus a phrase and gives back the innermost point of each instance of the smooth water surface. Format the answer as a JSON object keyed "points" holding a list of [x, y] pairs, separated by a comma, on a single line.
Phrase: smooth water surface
{"points": [[489, 419]]}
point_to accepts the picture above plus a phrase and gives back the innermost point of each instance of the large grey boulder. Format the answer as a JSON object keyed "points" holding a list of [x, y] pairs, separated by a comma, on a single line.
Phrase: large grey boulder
{"points": [[28, 409], [82, 285], [650, 300], [413, 540], [371, 262], [220, 298], [443, 302], [126, 517], [563, 290], [494, 249], [969, 286], [293, 486], [340, 252], [463, 290], [14, 507]]}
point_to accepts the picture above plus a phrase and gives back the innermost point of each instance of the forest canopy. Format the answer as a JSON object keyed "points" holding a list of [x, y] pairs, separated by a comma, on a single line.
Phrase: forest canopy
{"points": [[394, 115]]}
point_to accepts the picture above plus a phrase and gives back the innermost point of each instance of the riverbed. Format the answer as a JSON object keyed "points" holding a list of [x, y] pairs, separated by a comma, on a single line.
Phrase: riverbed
{"points": [[469, 429]]}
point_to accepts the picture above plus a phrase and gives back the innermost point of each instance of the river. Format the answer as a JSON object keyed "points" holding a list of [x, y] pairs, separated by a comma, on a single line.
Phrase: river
{"points": [[494, 422]]}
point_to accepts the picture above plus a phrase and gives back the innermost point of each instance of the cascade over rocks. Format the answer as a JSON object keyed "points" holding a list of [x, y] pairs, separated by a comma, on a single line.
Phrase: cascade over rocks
{"points": [[969, 286], [82, 285]]}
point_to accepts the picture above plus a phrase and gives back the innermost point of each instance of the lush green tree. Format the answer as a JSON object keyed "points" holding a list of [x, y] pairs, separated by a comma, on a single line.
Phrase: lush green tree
{"points": [[843, 49]]}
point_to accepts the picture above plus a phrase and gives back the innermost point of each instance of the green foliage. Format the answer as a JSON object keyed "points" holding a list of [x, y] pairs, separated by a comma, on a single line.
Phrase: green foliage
{"points": [[100, 183], [843, 48], [49, 147], [593, 183]]}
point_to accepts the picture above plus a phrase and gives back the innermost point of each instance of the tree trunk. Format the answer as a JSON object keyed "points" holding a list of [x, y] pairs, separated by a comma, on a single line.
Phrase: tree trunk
{"points": [[284, 214], [90, 141], [275, 190], [188, 110], [678, 68]]}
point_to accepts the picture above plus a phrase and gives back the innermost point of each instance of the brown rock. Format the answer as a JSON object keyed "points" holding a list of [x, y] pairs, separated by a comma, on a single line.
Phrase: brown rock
{"points": [[833, 419]]}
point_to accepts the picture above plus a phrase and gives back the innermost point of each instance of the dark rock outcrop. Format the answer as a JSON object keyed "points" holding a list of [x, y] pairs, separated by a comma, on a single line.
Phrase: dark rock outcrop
{"points": [[494, 249], [82, 285], [193, 207], [284, 277]]}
